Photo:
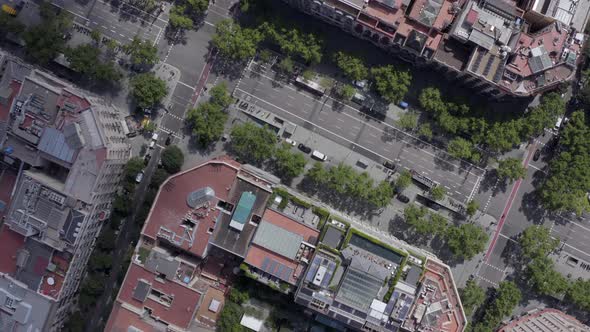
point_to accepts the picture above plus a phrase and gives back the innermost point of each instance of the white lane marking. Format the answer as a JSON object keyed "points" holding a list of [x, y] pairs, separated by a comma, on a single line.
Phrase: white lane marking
{"points": [[384, 123], [188, 86]]}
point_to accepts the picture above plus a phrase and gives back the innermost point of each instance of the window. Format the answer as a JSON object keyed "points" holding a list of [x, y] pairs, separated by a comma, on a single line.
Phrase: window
{"points": [[9, 302]]}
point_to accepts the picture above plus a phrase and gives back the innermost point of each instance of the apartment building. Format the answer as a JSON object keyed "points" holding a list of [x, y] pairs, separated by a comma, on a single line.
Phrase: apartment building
{"points": [[498, 48], [70, 150], [546, 320]]}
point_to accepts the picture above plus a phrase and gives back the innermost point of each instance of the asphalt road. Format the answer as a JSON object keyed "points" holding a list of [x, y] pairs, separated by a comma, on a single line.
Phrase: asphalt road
{"points": [[347, 126]]}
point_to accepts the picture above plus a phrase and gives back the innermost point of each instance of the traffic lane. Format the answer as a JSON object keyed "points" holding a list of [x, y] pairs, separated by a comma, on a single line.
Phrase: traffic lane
{"points": [[349, 110], [576, 235], [121, 30], [367, 144], [526, 210], [157, 17], [374, 138], [190, 57]]}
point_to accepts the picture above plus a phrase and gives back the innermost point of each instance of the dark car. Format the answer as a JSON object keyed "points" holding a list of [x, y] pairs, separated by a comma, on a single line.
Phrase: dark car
{"points": [[304, 148], [147, 158], [537, 155], [433, 205], [168, 139], [389, 165], [403, 198]]}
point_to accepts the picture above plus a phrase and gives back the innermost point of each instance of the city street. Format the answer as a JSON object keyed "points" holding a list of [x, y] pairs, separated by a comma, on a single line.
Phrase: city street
{"points": [[346, 125]]}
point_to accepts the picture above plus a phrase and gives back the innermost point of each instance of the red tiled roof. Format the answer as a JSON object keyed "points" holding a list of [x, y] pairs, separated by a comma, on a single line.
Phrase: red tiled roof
{"points": [[170, 205], [5, 109], [121, 319], [309, 234], [10, 243], [256, 255], [441, 275], [179, 313]]}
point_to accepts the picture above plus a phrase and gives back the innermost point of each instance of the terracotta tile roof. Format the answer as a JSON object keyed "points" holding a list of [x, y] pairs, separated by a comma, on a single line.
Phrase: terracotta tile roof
{"points": [[121, 319], [170, 206], [309, 234], [10, 243], [183, 307], [256, 256], [206, 316]]}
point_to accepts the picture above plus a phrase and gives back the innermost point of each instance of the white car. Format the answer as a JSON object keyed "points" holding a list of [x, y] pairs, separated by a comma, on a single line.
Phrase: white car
{"points": [[318, 155], [139, 177], [290, 142], [152, 144], [155, 137], [360, 84]]}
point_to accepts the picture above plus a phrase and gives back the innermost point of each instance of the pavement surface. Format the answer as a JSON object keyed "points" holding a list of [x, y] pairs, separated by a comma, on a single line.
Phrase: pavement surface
{"points": [[346, 125]]}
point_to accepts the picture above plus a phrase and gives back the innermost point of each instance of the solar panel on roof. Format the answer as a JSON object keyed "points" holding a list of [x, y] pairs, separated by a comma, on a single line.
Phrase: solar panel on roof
{"points": [[264, 264]]}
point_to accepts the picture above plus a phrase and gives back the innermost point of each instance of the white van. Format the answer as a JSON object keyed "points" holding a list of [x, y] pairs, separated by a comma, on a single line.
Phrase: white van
{"points": [[318, 155], [358, 98]]}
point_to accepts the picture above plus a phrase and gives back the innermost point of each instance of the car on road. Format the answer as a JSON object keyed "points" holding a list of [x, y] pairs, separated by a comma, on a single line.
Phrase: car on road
{"points": [[290, 142], [154, 136], [537, 155], [361, 84], [403, 198], [318, 155], [389, 165], [139, 177], [168, 140], [147, 158], [304, 148], [152, 144], [404, 105]]}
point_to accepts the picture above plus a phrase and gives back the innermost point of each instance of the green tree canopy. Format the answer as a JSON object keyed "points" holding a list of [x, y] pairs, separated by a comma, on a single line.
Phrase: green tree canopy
{"points": [[85, 59], [467, 240], [425, 131], [407, 121], [381, 195], [178, 18], [148, 90], [172, 159], [431, 101], [207, 122], [253, 143], [293, 42], [502, 136], [318, 173], [45, 41], [230, 317], [579, 293], [544, 278], [472, 207], [234, 42], [353, 67], [472, 296], [507, 297], [289, 164], [346, 92], [536, 241], [511, 169], [133, 166], [286, 65], [142, 52], [10, 24], [160, 175], [438, 192], [220, 96], [460, 148], [403, 181], [390, 83]]}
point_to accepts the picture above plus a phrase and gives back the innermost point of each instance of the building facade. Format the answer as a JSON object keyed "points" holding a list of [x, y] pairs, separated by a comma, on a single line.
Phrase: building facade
{"points": [[488, 46], [71, 150]]}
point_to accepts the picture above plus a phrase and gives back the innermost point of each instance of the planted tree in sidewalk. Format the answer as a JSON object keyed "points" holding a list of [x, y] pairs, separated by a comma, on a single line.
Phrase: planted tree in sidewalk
{"points": [[403, 181], [234, 42], [220, 96], [507, 297], [353, 67], [10, 24], [431, 101], [536, 241], [390, 83], [85, 59], [381, 195], [158, 178], [45, 40], [544, 279], [148, 90], [207, 122], [133, 166], [286, 65], [172, 159], [511, 169], [472, 207], [317, 173], [466, 241], [407, 121], [142, 52], [346, 91], [253, 143], [289, 164], [425, 131], [579, 293], [460, 148], [472, 296], [178, 19], [438, 193]]}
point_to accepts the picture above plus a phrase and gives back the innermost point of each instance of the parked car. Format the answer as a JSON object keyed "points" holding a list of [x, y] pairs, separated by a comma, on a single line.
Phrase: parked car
{"points": [[290, 142], [537, 155], [154, 136], [168, 140], [404, 105], [389, 165], [304, 148], [139, 177], [152, 144], [403, 198], [361, 84], [147, 158], [318, 155]]}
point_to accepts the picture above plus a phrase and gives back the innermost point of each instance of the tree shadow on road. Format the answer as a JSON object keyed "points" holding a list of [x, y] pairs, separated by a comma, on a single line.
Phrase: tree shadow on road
{"points": [[532, 208]]}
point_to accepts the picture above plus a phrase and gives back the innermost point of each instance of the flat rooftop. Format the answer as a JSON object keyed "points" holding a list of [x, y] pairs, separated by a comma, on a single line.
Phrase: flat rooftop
{"points": [[171, 216]]}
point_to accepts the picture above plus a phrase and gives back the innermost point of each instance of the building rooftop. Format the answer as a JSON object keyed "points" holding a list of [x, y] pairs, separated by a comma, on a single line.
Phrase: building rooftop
{"points": [[169, 301], [173, 219], [547, 320], [8, 178], [438, 307]]}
